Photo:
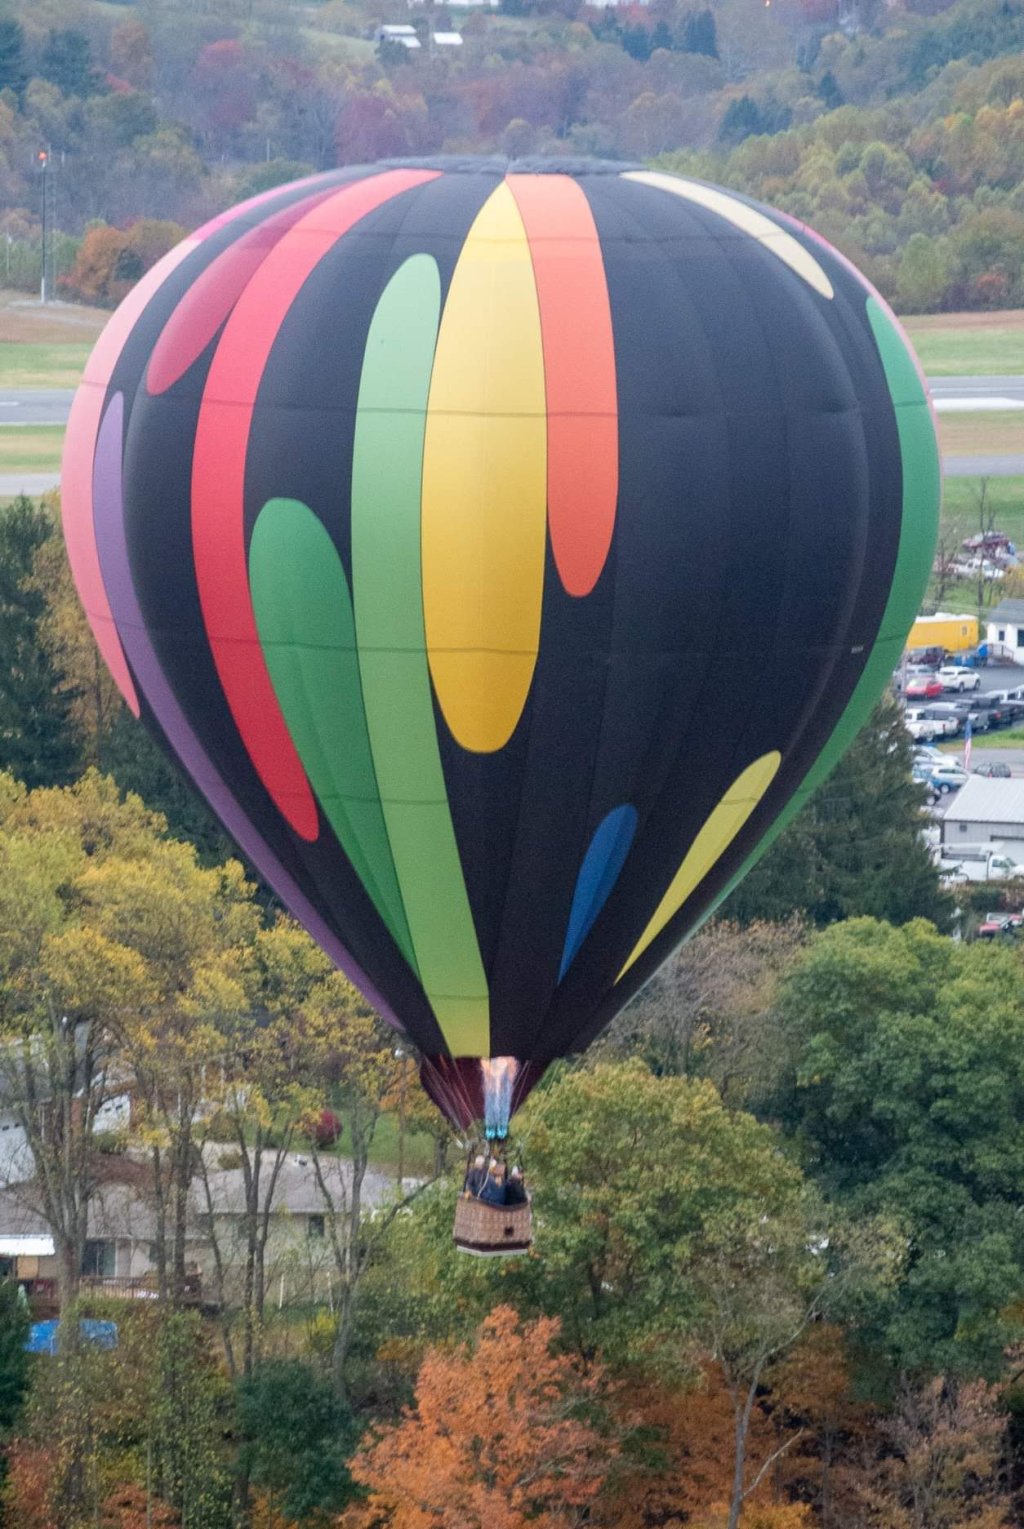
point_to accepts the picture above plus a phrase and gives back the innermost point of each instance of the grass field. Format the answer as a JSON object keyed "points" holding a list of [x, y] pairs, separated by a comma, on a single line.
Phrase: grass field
{"points": [[34, 365], [996, 430], [45, 347], [30, 448], [969, 344]]}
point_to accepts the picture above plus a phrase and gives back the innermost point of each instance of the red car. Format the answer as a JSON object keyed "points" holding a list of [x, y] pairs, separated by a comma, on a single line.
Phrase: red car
{"points": [[924, 688]]}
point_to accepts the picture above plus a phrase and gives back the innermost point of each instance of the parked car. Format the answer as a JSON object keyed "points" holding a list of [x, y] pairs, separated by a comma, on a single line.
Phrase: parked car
{"points": [[981, 720], [920, 727], [994, 924], [927, 658], [941, 779], [954, 678], [924, 687], [997, 770], [1017, 694], [947, 723], [998, 712]]}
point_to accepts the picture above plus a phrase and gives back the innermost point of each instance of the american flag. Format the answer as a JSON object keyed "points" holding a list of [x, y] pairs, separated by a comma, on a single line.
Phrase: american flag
{"points": [[967, 744]]}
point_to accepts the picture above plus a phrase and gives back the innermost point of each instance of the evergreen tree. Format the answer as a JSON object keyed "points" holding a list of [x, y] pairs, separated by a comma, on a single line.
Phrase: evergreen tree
{"points": [[36, 738], [67, 62], [297, 1437], [856, 848], [699, 34], [742, 119], [14, 1325], [13, 73]]}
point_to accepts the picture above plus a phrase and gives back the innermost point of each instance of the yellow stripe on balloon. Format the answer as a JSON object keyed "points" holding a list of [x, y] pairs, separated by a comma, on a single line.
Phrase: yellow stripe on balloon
{"points": [[747, 219], [710, 844], [485, 484]]}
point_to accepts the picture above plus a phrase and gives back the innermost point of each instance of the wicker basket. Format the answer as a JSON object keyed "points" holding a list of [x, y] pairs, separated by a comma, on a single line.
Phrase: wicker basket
{"points": [[490, 1231]]}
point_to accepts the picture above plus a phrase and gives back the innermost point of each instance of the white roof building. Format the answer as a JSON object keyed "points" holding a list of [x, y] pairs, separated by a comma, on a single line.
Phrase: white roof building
{"points": [[986, 812], [400, 33]]}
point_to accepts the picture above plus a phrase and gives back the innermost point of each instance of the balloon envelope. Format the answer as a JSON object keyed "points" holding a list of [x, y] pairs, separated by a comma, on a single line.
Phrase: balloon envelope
{"points": [[506, 552]]}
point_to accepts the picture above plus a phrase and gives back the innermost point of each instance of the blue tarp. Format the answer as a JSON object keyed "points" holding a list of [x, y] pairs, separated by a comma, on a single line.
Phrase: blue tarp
{"points": [[43, 1337]]}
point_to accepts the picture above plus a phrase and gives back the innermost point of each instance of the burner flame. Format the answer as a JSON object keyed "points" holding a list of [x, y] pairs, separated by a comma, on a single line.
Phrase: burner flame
{"points": [[499, 1074]]}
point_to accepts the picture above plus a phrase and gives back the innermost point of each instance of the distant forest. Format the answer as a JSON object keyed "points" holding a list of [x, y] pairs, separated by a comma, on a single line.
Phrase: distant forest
{"points": [[896, 130]]}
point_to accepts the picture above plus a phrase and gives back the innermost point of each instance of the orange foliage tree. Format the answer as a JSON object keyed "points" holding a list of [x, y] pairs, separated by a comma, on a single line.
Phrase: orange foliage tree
{"points": [[130, 1507], [502, 1434], [27, 1492]]}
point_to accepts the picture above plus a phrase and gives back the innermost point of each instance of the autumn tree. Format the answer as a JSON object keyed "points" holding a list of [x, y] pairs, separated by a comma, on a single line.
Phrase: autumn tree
{"points": [[939, 1464], [503, 1434], [65, 986], [366, 1075]]}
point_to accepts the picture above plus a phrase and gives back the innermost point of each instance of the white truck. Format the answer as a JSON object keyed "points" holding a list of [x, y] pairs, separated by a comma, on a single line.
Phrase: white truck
{"points": [[978, 862]]}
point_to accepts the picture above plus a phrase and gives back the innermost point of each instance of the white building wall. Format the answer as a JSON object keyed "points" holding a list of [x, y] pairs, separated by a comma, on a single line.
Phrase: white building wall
{"points": [[15, 1156], [1008, 637], [968, 832]]}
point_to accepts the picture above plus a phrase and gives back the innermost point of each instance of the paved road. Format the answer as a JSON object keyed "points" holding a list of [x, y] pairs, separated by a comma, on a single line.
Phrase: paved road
{"points": [[1007, 465], [35, 406], [977, 392], [38, 406]]}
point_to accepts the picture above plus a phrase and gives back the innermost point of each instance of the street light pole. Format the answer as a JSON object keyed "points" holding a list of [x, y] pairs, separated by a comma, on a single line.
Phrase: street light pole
{"points": [[44, 164]]}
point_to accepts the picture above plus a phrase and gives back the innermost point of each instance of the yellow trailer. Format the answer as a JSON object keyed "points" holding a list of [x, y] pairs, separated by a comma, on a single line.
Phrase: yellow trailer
{"points": [[954, 633]]}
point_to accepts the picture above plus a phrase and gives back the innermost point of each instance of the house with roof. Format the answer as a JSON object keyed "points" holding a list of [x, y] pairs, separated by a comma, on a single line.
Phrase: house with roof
{"points": [[1005, 630], [986, 812], [121, 1247]]}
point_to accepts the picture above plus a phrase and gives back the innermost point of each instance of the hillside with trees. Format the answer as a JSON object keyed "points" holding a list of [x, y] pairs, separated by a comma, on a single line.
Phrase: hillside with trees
{"points": [[897, 131]]}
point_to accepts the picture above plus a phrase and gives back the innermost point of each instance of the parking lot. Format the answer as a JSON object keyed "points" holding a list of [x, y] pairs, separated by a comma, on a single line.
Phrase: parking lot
{"points": [[991, 679]]}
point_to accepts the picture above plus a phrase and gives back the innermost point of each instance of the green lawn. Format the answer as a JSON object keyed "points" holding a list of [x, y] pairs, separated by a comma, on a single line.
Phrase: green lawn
{"points": [[418, 1154], [30, 448], [1004, 500], [1011, 738], [39, 365], [980, 345]]}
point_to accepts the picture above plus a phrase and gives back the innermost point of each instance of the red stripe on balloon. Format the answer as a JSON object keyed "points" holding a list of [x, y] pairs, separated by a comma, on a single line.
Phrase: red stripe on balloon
{"points": [[76, 468], [214, 293], [579, 374], [218, 483]]}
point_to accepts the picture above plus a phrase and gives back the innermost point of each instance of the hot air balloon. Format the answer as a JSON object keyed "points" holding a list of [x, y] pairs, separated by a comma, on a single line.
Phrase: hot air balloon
{"points": [[420, 510]]}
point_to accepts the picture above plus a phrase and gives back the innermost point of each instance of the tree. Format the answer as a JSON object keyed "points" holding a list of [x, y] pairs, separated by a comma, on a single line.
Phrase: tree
{"points": [[67, 60], [502, 1433], [632, 1177], [709, 1011], [761, 1283], [297, 1436], [14, 1325], [942, 1467], [104, 731], [699, 35], [856, 848], [13, 70], [906, 1093], [36, 742]]}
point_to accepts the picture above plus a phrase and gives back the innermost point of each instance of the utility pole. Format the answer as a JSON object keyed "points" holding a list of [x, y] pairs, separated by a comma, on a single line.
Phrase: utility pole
{"points": [[45, 177]]}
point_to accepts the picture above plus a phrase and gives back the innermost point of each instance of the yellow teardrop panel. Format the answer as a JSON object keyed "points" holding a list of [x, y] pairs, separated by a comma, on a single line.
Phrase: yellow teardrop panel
{"points": [[485, 484], [710, 844], [747, 219]]}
